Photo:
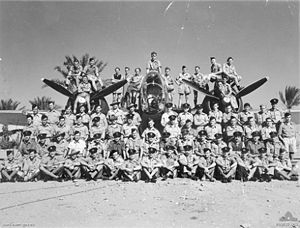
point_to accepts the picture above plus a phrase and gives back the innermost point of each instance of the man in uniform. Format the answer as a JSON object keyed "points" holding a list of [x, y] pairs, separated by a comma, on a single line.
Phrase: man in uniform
{"points": [[150, 165], [99, 144], [274, 146], [251, 127], [275, 114], [42, 146], [31, 166], [112, 165], [169, 163], [45, 127], [116, 144], [165, 116], [185, 115], [262, 115], [93, 164], [61, 145], [201, 80], [200, 118], [36, 115], [245, 114], [77, 144], [27, 143], [231, 128], [183, 89], [201, 143], [52, 114], [267, 129], [73, 165], [151, 142], [172, 128], [212, 128], [207, 166], [185, 140], [102, 118], [152, 129], [134, 143], [217, 145], [188, 163], [79, 126], [227, 115], [287, 133], [118, 113], [62, 127], [245, 169], [30, 126], [229, 72], [11, 168], [226, 166], [236, 145], [131, 168], [136, 118], [51, 166], [128, 126], [215, 112], [264, 166], [113, 127], [255, 144]]}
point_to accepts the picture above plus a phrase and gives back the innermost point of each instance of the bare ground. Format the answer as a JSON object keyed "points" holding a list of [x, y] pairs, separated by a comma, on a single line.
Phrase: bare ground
{"points": [[174, 203]]}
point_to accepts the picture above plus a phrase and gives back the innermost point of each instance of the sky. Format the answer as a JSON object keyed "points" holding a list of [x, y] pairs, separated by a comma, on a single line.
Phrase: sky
{"points": [[261, 36]]}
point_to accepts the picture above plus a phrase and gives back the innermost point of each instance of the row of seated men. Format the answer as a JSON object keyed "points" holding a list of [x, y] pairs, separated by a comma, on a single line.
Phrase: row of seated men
{"points": [[136, 159]]}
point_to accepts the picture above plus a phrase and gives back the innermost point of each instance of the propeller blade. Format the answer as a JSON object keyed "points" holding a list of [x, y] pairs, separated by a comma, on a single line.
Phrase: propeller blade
{"points": [[57, 87], [251, 87], [108, 90], [199, 88]]}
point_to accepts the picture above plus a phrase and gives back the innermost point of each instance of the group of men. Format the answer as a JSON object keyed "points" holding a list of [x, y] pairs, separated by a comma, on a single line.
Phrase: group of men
{"points": [[191, 144]]}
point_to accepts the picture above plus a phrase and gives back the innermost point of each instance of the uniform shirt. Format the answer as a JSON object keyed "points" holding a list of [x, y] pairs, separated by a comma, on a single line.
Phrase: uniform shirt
{"points": [[101, 147], [45, 129], [26, 145], [185, 76], [212, 130], [225, 163], [135, 144], [170, 162], [127, 128], [53, 116], [12, 165], [275, 147], [200, 119], [236, 147], [103, 120], [184, 142], [183, 117], [30, 166], [217, 114], [84, 87], [51, 163], [58, 129], [61, 147], [36, 118], [117, 113], [154, 65], [150, 163], [32, 128], [250, 129], [147, 145], [174, 130], [85, 118], [136, 118], [79, 145], [261, 117], [275, 114], [206, 162], [165, 117], [111, 129], [287, 130], [229, 69], [254, 147], [231, 129], [243, 116], [189, 160], [97, 130], [154, 130], [70, 119], [227, 116], [42, 149], [116, 145], [201, 145], [216, 147], [114, 164], [265, 132], [84, 131]]}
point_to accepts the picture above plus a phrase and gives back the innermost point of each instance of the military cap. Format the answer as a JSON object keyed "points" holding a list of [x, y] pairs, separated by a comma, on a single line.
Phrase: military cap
{"points": [[29, 116], [255, 134], [8, 152], [42, 136], [31, 150], [133, 130], [187, 147], [78, 116], [117, 134], [114, 151], [63, 134], [273, 134], [131, 105], [245, 150], [96, 119], [115, 103], [151, 135], [170, 147], [199, 106], [112, 117], [27, 133], [202, 132], [172, 117], [237, 134], [131, 151], [169, 105], [188, 121], [218, 136], [262, 150], [225, 149], [44, 117], [150, 119], [77, 132], [152, 150], [287, 114], [206, 149], [52, 148], [185, 105], [274, 101], [247, 105], [61, 117], [93, 150], [97, 136], [165, 135], [184, 131], [129, 116]]}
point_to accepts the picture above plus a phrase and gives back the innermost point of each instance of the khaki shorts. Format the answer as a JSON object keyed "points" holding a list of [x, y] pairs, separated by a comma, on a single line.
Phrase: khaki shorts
{"points": [[184, 89], [290, 144]]}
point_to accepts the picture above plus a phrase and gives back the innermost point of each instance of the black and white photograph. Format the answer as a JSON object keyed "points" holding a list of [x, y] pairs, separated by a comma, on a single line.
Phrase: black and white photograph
{"points": [[150, 114]]}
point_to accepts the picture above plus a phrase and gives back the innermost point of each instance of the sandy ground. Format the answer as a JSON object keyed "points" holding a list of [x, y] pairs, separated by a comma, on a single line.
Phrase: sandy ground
{"points": [[173, 203]]}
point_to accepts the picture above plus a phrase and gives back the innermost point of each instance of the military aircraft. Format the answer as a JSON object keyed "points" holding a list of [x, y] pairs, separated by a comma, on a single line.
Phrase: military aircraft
{"points": [[214, 96]]}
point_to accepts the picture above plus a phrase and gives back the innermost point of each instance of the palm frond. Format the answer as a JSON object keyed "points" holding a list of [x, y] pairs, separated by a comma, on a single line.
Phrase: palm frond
{"points": [[291, 96], [85, 60], [9, 104], [57, 81], [60, 70], [281, 96]]}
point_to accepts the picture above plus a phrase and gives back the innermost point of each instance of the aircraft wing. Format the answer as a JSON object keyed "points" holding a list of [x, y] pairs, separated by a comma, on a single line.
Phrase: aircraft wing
{"points": [[199, 88], [108, 90], [250, 88], [57, 87]]}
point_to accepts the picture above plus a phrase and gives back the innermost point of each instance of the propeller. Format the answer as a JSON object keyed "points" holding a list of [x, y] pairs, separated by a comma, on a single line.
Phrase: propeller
{"points": [[108, 90], [57, 87], [195, 86], [251, 87]]}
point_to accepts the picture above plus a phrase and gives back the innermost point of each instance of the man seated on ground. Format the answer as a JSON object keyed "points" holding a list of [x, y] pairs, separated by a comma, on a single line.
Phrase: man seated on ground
{"points": [[245, 169], [207, 166], [116, 144], [31, 166], [42, 146], [188, 163], [236, 144], [93, 165], [283, 168], [150, 165], [217, 145], [131, 168], [11, 167], [84, 91], [51, 166], [73, 165], [169, 163], [112, 166], [226, 166], [27, 143], [77, 144]]}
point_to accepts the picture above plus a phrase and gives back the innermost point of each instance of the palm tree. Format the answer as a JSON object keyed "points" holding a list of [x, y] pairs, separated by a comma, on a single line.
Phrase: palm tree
{"points": [[290, 97], [43, 103], [10, 104], [63, 70]]}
